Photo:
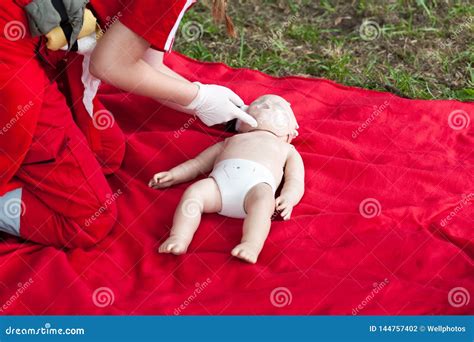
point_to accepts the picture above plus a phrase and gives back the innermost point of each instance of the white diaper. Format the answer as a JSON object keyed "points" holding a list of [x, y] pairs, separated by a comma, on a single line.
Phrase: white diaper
{"points": [[235, 177]]}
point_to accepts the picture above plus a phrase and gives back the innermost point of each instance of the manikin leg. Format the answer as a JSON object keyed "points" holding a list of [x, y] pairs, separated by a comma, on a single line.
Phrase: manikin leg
{"points": [[259, 205], [201, 197]]}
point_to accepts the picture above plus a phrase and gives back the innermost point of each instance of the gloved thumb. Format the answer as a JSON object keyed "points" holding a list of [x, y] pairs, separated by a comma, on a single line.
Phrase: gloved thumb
{"points": [[244, 117]]}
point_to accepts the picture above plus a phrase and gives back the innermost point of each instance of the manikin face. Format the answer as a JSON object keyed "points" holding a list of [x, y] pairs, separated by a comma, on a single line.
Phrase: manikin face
{"points": [[273, 113]]}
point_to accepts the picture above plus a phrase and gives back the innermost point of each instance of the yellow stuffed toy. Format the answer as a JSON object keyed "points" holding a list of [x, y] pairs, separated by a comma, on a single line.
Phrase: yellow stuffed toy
{"points": [[56, 38]]}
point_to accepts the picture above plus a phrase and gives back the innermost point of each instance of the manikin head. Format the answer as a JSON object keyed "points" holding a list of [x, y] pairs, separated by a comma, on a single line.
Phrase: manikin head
{"points": [[273, 114]]}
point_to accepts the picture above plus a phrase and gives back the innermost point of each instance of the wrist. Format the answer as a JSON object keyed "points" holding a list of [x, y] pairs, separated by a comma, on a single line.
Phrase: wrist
{"points": [[290, 198], [191, 95]]}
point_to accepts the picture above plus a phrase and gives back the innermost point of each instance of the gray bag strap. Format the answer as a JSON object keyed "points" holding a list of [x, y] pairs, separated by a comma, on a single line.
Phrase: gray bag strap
{"points": [[44, 15]]}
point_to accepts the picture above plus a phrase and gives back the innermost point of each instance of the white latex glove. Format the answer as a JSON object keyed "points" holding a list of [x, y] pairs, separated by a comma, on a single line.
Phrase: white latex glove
{"points": [[85, 45], [216, 104]]}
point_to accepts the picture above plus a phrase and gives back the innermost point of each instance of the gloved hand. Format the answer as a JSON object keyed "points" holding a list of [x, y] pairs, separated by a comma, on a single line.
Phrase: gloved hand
{"points": [[216, 104]]}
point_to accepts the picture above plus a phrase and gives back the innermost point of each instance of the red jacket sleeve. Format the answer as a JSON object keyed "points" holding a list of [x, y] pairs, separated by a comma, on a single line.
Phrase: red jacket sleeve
{"points": [[22, 83], [156, 21]]}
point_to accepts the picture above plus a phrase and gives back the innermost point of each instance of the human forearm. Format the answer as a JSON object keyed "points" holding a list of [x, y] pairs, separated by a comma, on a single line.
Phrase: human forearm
{"points": [[155, 59], [141, 79], [117, 59]]}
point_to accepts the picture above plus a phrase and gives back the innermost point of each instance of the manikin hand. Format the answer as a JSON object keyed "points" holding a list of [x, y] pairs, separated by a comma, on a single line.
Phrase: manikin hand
{"points": [[216, 104], [284, 205], [162, 180]]}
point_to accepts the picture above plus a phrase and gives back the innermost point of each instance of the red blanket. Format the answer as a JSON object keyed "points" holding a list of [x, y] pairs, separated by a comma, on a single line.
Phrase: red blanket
{"points": [[385, 226]]}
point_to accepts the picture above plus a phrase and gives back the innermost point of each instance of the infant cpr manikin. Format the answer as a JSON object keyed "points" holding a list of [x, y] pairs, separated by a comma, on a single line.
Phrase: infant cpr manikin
{"points": [[245, 172]]}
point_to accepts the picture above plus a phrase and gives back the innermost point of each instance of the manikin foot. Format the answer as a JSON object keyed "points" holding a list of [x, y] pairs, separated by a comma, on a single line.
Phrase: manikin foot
{"points": [[175, 245], [247, 252]]}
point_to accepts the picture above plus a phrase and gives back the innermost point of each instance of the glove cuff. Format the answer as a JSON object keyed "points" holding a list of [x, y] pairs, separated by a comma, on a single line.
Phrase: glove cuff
{"points": [[197, 100]]}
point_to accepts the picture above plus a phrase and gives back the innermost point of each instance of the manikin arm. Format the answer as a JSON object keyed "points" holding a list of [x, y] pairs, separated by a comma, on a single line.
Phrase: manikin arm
{"points": [[188, 170], [293, 187]]}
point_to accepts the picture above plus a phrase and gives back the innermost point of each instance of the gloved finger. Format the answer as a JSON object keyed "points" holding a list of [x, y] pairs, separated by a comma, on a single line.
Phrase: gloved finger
{"points": [[245, 108], [235, 99], [241, 115]]}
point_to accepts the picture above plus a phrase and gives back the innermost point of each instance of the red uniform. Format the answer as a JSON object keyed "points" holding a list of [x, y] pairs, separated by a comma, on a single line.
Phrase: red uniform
{"points": [[155, 20], [44, 155], [52, 155]]}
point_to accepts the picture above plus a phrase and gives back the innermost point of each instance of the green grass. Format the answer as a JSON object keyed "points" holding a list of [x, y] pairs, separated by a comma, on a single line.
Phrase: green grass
{"points": [[425, 48]]}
